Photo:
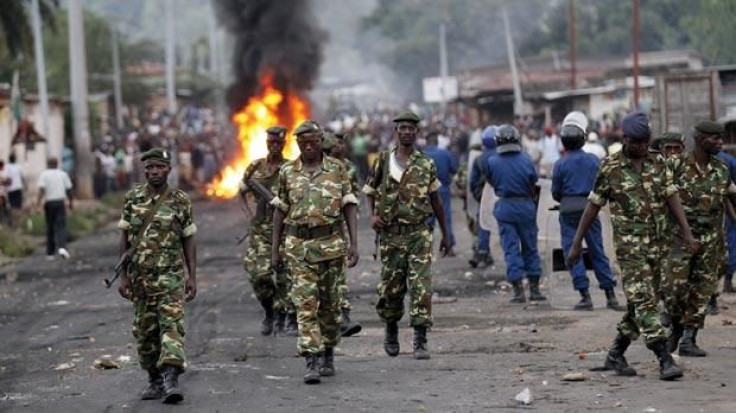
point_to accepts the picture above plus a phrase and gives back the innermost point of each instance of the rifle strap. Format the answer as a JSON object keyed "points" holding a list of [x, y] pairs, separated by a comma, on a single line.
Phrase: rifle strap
{"points": [[385, 158], [148, 218]]}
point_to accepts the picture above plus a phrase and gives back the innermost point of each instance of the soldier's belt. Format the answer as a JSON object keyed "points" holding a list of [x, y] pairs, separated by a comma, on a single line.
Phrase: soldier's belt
{"points": [[307, 233], [403, 229]]}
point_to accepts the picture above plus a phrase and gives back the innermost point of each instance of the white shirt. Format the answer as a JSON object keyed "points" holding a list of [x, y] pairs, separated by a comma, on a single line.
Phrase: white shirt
{"points": [[15, 174], [550, 149], [54, 183], [596, 149]]}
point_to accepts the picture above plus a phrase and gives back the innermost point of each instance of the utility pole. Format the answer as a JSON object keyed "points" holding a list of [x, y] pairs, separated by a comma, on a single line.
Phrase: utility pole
{"points": [[635, 52], [443, 67], [212, 38], [117, 90], [80, 111], [170, 58], [43, 95], [573, 57], [518, 102]]}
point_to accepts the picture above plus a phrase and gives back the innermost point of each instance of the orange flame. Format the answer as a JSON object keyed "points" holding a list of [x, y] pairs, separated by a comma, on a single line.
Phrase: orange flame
{"points": [[269, 108]]}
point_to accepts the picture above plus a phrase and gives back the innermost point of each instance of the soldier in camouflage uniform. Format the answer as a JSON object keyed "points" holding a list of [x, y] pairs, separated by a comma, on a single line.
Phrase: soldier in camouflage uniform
{"points": [[314, 199], [704, 182], [336, 146], [640, 191], [402, 194], [158, 229], [273, 296]]}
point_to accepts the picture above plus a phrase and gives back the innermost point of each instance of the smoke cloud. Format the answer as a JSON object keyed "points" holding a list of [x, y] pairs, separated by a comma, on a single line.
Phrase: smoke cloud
{"points": [[281, 37]]}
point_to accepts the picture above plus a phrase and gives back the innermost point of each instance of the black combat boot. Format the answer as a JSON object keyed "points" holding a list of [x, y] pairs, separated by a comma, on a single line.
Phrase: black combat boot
{"points": [[534, 294], [312, 376], [612, 301], [391, 342], [328, 363], [347, 330], [688, 346], [172, 393], [668, 370], [155, 388], [292, 328], [475, 260], [420, 343], [586, 303], [615, 359], [728, 284], [673, 340], [713, 306], [280, 323], [267, 323], [519, 296]]}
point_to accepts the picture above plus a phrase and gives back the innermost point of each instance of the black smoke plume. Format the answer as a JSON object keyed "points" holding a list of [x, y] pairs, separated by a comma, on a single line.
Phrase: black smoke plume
{"points": [[277, 36]]}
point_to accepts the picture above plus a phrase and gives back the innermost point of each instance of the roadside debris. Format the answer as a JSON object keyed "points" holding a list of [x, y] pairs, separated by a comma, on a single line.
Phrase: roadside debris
{"points": [[525, 397], [106, 364], [575, 376], [64, 366]]}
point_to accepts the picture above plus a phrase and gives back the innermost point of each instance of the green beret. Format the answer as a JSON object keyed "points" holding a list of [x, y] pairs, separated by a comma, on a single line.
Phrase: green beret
{"points": [[158, 154], [308, 126], [342, 135], [329, 141], [709, 127], [410, 117], [672, 137], [277, 130]]}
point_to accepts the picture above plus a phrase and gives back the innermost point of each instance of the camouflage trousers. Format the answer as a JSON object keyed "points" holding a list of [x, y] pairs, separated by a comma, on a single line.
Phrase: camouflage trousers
{"points": [[317, 298], [690, 281], [406, 262], [343, 286], [639, 263], [158, 317], [266, 286]]}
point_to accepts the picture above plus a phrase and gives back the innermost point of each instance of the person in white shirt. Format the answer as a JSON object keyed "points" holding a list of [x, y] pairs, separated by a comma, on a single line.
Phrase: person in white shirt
{"points": [[551, 148], [54, 186], [593, 145], [15, 190]]}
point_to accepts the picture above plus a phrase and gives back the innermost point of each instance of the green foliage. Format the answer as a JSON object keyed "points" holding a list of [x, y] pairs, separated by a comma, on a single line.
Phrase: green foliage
{"points": [[78, 222], [15, 245], [712, 30], [15, 24]]}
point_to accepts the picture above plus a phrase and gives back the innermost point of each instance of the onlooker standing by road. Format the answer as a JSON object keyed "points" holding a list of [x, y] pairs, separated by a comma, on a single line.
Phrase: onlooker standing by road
{"points": [[53, 186], [551, 148], [446, 168], [17, 184], [4, 208]]}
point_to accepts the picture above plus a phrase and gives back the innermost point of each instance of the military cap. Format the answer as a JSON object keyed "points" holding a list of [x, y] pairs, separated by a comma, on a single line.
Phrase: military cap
{"points": [[410, 117], [329, 141], [710, 128], [158, 154], [342, 135], [308, 126], [672, 137], [280, 131], [636, 126]]}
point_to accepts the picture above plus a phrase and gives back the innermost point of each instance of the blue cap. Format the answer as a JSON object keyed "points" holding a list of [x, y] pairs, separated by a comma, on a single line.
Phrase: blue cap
{"points": [[488, 137], [636, 126]]}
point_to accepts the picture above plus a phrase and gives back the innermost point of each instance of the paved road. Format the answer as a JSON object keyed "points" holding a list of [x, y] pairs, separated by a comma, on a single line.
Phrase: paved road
{"points": [[484, 351]]}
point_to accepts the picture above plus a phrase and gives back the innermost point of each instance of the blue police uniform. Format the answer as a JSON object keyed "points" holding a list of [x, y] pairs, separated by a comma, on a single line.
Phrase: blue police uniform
{"points": [[477, 174], [446, 168], [512, 176], [573, 178], [730, 225]]}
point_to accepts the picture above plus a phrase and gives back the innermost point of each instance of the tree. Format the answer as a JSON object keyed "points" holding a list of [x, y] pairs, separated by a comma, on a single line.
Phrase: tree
{"points": [[16, 26], [711, 30]]}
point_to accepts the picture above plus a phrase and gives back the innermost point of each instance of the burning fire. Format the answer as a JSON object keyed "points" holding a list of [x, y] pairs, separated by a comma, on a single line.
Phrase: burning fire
{"points": [[269, 108]]}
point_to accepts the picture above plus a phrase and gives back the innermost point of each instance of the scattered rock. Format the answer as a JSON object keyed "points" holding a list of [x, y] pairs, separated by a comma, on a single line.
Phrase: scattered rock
{"points": [[436, 299], [106, 364], [64, 366], [525, 397], [727, 322], [582, 355], [58, 303], [241, 358], [491, 284], [277, 377], [468, 275], [576, 376], [124, 359], [650, 410], [518, 370], [618, 404], [504, 286]]}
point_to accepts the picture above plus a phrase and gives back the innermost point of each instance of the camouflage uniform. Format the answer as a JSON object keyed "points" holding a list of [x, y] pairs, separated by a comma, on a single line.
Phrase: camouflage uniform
{"points": [[314, 247], [638, 217], [690, 281], [257, 260], [157, 274], [406, 241]]}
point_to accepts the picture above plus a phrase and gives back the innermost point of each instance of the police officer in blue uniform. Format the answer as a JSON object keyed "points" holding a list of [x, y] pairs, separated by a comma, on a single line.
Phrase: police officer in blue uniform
{"points": [[482, 255], [446, 168], [730, 231], [573, 178], [513, 178]]}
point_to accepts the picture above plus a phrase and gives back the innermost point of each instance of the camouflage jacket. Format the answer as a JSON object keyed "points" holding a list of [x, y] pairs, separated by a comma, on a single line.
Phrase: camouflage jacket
{"points": [[268, 175], [407, 201], [314, 200], [160, 244], [638, 200], [353, 175], [702, 193]]}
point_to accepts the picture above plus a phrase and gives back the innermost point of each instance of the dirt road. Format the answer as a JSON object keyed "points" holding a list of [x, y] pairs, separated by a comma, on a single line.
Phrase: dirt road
{"points": [[56, 319]]}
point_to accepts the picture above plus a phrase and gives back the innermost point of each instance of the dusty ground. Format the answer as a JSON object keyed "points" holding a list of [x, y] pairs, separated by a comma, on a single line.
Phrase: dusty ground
{"points": [[484, 351]]}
